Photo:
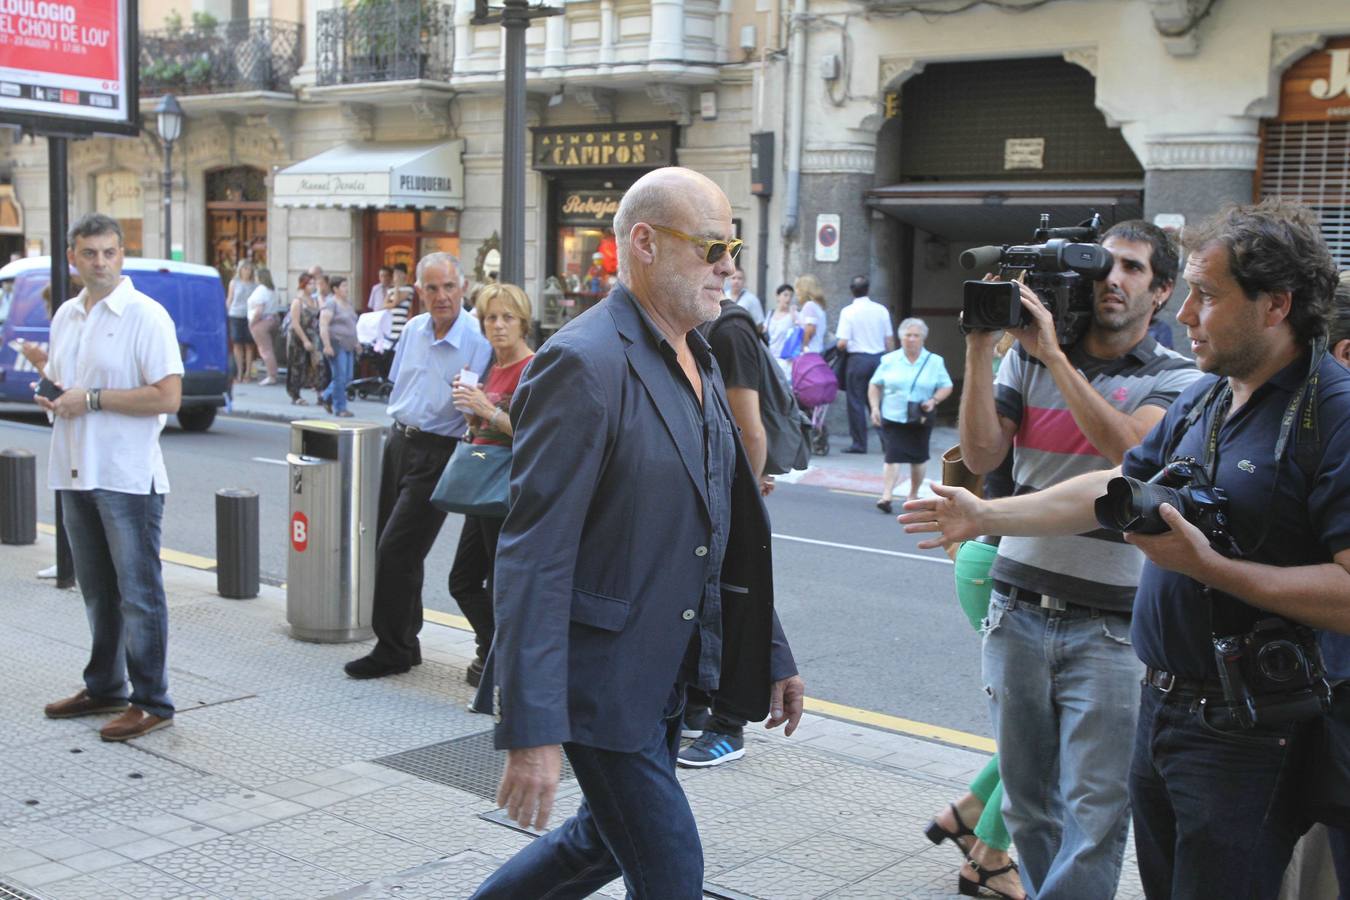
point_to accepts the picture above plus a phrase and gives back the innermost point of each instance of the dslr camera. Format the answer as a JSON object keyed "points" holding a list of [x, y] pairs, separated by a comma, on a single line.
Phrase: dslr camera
{"points": [[1132, 505], [1272, 675], [1060, 266]]}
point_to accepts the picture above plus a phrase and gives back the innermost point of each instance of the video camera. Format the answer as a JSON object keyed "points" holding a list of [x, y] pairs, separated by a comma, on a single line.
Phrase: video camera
{"points": [[1060, 267]]}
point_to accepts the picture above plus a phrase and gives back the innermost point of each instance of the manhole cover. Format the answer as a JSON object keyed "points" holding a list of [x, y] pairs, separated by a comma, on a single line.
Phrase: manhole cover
{"points": [[468, 763]]}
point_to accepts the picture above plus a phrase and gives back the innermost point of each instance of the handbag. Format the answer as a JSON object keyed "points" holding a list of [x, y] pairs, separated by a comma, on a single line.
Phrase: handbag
{"points": [[476, 482], [915, 414], [1325, 779], [838, 361]]}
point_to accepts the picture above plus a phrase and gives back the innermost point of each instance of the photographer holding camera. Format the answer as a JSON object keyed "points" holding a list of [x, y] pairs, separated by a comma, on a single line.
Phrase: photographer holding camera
{"points": [[1058, 667], [1251, 546]]}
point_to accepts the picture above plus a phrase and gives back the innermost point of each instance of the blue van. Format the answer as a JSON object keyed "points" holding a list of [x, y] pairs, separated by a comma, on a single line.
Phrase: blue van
{"points": [[191, 293]]}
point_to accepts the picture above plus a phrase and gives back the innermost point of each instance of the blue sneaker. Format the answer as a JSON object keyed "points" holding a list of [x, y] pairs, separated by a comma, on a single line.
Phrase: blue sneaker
{"points": [[712, 749]]}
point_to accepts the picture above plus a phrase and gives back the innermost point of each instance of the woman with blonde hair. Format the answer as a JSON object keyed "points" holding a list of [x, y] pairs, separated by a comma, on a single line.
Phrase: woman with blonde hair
{"points": [[237, 293], [810, 313], [506, 317]]}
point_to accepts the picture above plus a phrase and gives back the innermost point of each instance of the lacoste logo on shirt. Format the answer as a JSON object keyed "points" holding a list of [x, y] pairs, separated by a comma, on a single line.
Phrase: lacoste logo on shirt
{"points": [[1246, 466]]}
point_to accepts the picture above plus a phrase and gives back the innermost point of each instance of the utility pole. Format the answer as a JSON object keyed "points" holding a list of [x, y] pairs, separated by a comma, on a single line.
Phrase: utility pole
{"points": [[515, 17]]}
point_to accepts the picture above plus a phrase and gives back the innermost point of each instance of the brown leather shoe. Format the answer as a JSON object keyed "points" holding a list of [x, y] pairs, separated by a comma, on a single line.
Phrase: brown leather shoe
{"points": [[82, 705], [132, 724]]}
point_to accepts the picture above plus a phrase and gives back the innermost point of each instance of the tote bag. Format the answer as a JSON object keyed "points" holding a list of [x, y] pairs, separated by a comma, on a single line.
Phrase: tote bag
{"points": [[476, 482]]}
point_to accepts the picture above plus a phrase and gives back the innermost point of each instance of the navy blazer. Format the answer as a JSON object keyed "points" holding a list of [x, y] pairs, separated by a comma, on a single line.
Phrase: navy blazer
{"points": [[601, 559]]}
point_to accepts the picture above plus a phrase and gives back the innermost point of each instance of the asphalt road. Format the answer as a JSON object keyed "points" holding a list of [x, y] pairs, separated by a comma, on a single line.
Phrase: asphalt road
{"points": [[871, 626]]}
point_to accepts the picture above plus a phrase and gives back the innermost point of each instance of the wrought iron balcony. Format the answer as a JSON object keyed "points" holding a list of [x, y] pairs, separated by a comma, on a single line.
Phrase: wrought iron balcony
{"points": [[225, 57], [385, 40]]}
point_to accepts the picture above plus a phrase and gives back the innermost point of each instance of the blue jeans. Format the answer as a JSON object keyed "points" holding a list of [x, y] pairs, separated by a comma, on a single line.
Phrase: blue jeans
{"points": [[634, 821], [1208, 816], [340, 367], [1063, 695], [114, 539]]}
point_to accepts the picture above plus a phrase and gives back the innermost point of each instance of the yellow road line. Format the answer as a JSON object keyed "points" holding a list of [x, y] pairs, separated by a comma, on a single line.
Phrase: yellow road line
{"points": [[895, 723], [448, 619]]}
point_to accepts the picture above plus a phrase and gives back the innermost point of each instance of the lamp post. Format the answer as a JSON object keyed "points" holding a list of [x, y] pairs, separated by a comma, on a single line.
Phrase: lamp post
{"points": [[169, 118]]}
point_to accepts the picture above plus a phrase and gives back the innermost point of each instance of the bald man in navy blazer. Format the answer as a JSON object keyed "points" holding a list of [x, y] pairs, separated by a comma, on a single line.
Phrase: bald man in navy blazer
{"points": [[635, 561]]}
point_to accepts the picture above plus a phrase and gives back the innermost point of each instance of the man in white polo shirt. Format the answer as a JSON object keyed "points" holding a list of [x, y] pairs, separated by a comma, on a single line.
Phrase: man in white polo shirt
{"points": [[114, 352], [864, 332]]}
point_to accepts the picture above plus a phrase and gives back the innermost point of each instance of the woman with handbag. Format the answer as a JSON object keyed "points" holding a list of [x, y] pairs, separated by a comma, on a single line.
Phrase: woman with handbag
{"points": [[505, 315], [907, 386], [782, 330]]}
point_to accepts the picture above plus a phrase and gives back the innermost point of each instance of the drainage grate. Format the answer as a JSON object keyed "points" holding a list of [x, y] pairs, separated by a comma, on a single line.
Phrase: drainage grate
{"points": [[10, 892], [468, 763]]}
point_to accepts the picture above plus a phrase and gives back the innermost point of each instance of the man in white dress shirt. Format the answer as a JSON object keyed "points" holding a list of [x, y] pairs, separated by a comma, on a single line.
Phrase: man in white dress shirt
{"points": [[114, 352], [864, 333]]}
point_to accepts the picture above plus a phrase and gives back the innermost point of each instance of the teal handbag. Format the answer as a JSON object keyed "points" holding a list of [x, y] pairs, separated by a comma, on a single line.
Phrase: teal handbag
{"points": [[476, 482]]}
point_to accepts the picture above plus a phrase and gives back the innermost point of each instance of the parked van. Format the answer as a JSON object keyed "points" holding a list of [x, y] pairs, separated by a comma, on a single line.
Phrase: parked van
{"points": [[192, 294]]}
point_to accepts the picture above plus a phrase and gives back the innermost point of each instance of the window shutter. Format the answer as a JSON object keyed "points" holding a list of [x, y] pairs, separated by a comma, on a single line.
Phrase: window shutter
{"points": [[1309, 163]]}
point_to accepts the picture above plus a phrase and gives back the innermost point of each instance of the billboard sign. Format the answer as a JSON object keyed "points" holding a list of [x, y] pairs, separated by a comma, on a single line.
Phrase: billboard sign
{"points": [[68, 66]]}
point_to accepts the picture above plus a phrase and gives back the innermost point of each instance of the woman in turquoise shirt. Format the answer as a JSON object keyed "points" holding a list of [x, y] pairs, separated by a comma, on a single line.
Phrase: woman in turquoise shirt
{"points": [[908, 375]]}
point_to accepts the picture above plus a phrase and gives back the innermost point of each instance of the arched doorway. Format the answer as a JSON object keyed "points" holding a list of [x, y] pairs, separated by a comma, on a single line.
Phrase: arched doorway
{"points": [[236, 218]]}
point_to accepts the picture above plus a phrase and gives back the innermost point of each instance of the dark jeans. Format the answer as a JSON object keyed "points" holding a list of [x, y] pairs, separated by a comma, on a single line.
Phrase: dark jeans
{"points": [[114, 539], [471, 576], [634, 821], [856, 376], [1207, 817], [1339, 838], [408, 527], [720, 722]]}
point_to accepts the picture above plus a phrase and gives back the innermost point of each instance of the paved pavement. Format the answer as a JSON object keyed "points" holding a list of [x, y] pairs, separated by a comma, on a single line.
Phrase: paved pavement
{"points": [[283, 778]]}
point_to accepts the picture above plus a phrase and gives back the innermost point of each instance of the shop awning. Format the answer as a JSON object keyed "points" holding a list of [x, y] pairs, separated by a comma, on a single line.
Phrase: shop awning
{"points": [[427, 176], [1005, 212]]}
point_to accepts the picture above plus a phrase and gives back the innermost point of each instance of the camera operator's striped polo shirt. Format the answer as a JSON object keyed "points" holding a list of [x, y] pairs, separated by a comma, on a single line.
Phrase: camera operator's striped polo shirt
{"points": [[1097, 568]]}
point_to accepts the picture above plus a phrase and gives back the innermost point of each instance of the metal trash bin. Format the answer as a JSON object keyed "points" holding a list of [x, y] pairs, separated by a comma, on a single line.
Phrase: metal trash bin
{"points": [[334, 477]]}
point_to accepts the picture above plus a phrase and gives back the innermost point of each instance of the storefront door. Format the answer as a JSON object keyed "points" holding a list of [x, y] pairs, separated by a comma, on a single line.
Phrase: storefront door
{"points": [[236, 218], [405, 236]]}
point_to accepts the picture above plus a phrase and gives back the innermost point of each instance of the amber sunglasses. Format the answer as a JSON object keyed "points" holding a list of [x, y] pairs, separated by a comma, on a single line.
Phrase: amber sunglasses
{"points": [[712, 250]]}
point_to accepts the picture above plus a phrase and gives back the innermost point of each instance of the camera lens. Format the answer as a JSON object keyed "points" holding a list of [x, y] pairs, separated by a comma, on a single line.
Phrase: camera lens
{"points": [[1280, 661]]}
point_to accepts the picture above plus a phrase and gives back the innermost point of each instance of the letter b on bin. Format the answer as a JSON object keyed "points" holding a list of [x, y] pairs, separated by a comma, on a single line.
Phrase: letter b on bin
{"points": [[334, 476]]}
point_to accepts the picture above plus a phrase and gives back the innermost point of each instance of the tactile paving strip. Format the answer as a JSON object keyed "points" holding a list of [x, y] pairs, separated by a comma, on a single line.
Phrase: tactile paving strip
{"points": [[469, 763]]}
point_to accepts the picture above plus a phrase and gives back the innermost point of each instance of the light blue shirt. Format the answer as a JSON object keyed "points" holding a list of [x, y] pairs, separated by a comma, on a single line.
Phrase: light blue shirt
{"points": [[424, 368], [895, 373]]}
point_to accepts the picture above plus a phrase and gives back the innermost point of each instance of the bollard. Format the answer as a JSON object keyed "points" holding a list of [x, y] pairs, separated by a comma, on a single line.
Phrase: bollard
{"points": [[237, 544], [18, 497]]}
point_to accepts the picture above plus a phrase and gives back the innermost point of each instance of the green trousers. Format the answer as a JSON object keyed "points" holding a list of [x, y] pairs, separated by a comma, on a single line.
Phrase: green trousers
{"points": [[973, 584]]}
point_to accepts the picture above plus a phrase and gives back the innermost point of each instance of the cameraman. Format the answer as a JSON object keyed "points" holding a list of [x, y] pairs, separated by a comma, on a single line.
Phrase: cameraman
{"points": [[1058, 666], [1210, 818]]}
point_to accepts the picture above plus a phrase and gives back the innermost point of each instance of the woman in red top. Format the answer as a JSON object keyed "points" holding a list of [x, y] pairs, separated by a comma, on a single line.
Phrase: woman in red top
{"points": [[505, 314]]}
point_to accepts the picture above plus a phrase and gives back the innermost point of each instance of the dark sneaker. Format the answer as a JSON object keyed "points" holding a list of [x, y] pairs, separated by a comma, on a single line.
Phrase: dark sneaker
{"points": [[474, 673], [696, 719], [712, 749], [369, 667]]}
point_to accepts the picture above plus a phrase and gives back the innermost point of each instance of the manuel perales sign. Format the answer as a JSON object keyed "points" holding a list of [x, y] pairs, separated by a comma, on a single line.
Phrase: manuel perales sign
{"points": [[585, 148], [429, 176]]}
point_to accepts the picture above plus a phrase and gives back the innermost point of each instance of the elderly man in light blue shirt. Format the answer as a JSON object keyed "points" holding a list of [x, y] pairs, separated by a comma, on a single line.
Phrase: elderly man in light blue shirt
{"points": [[435, 348]]}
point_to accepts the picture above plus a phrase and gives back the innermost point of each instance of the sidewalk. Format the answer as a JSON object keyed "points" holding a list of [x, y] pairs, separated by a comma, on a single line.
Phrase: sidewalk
{"points": [[284, 778], [837, 471]]}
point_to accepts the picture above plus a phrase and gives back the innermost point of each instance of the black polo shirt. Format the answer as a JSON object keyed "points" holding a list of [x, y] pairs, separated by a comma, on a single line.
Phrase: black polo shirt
{"points": [[1304, 521]]}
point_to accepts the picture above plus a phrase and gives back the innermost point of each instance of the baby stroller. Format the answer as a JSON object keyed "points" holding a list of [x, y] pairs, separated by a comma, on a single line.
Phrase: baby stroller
{"points": [[815, 386], [376, 355]]}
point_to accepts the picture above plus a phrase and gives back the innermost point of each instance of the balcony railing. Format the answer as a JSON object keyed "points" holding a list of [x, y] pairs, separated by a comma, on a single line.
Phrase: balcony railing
{"points": [[385, 40], [242, 55]]}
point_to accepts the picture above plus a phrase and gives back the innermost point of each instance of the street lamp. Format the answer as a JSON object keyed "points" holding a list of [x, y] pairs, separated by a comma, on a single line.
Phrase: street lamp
{"points": [[169, 118]]}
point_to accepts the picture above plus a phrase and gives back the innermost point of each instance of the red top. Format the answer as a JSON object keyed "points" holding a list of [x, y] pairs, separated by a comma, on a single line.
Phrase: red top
{"points": [[500, 385]]}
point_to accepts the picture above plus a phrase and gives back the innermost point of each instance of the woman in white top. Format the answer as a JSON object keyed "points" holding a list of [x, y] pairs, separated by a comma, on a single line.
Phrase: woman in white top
{"points": [[236, 306], [779, 326], [262, 322], [811, 313]]}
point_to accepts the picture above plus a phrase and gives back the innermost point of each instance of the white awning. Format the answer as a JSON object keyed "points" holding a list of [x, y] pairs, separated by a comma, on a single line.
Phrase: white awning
{"points": [[427, 176]]}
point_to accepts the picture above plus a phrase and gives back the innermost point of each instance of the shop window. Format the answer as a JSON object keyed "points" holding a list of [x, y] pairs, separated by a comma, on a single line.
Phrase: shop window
{"points": [[119, 195]]}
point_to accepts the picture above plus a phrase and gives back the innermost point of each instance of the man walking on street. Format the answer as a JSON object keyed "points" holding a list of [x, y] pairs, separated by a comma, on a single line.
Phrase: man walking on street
{"points": [[115, 353], [719, 737], [864, 333], [433, 349], [634, 562]]}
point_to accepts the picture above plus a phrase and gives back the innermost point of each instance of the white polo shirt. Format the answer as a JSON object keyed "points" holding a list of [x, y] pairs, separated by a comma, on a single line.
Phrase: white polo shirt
{"points": [[126, 341], [865, 324]]}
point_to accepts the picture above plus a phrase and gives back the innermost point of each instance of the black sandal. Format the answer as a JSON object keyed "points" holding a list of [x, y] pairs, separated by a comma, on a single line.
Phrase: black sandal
{"points": [[937, 834], [970, 888]]}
